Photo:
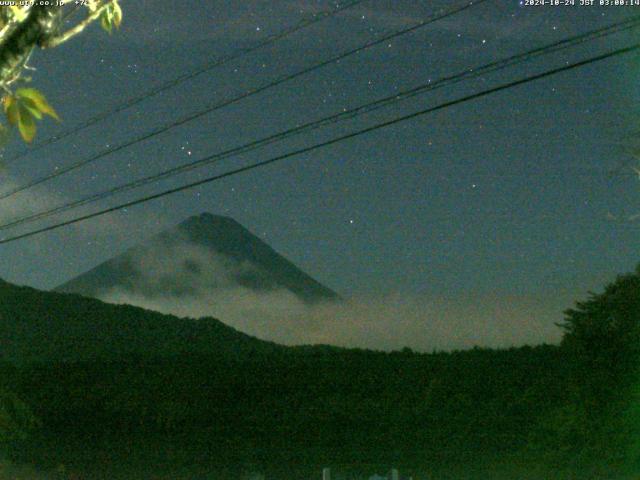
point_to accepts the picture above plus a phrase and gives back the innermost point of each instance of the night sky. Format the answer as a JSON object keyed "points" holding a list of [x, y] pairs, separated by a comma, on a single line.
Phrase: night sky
{"points": [[505, 197]]}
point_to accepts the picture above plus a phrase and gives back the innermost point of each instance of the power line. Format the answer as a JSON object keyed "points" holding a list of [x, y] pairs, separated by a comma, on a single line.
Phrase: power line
{"points": [[444, 14], [333, 141], [366, 108], [271, 39]]}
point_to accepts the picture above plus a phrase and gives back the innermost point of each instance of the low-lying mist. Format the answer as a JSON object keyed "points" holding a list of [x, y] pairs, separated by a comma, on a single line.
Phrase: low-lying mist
{"points": [[388, 322]]}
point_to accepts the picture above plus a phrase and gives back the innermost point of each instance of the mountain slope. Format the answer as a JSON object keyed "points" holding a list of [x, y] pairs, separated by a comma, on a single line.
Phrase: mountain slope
{"points": [[204, 252], [48, 326]]}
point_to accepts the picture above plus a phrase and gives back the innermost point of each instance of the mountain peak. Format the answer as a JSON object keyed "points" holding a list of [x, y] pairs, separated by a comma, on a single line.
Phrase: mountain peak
{"points": [[210, 222], [203, 248], [207, 217]]}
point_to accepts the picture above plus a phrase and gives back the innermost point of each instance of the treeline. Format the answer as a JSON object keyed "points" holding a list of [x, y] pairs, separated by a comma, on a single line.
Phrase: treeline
{"points": [[307, 407], [556, 412]]}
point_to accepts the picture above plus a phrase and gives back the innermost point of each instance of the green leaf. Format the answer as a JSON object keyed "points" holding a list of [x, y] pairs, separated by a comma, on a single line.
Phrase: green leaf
{"points": [[32, 107], [117, 14], [105, 21], [26, 124], [11, 109], [34, 99], [111, 16], [24, 108], [31, 93]]}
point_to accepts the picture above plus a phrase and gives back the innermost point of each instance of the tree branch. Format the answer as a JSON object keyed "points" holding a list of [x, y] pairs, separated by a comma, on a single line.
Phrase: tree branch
{"points": [[10, 22], [79, 28], [32, 31]]}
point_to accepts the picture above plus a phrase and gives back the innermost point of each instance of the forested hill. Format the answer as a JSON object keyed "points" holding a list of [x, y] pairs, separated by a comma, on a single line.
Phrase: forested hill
{"points": [[48, 326], [120, 392]]}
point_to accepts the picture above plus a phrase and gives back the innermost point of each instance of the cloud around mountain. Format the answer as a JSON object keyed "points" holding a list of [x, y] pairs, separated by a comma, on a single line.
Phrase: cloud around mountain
{"points": [[212, 266], [390, 322]]}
